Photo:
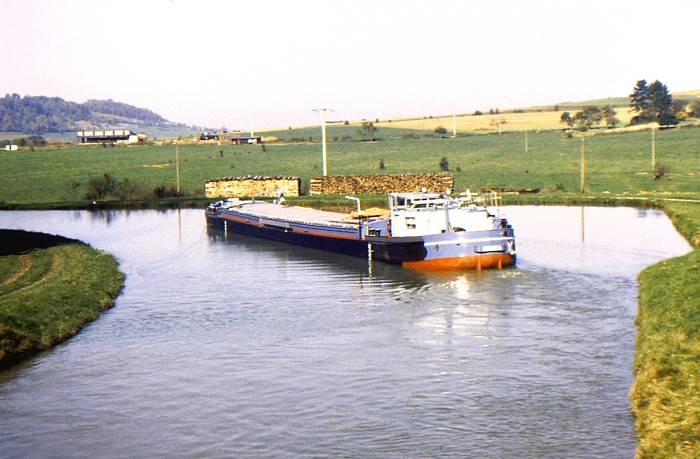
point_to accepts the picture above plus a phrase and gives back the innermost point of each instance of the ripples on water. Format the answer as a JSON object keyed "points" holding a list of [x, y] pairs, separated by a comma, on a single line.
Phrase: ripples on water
{"points": [[246, 348]]}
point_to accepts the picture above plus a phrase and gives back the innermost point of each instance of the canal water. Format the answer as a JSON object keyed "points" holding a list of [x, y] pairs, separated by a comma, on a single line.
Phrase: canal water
{"points": [[241, 347]]}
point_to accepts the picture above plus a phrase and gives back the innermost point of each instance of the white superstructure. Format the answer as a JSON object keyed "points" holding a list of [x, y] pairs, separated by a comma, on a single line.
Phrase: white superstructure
{"points": [[420, 214]]}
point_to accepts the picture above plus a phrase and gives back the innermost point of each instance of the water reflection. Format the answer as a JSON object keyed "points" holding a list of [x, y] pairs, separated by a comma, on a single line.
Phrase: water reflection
{"points": [[311, 259], [108, 216]]}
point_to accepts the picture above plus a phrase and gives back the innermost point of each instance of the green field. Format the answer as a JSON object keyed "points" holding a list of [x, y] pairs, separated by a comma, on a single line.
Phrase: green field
{"points": [[49, 288], [616, 164]]}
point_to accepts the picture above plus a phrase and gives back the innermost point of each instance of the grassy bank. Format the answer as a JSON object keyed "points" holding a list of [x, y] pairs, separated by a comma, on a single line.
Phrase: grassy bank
{"points": [[50, 287], [666, 393]]}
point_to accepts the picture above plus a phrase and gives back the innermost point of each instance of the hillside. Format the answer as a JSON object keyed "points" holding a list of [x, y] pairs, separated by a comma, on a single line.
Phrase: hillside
{"points": [[41, 114], [545, 117]]}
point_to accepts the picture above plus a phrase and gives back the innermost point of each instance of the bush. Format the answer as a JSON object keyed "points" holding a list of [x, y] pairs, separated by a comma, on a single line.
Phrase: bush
{"points": [[660, 170], [126, 189], [478, 113], [695, 110], [106, 186], [100, 187], [440, 130], [163, 191], [36, 140], [444, 164], [668, 118], [381, 164]]}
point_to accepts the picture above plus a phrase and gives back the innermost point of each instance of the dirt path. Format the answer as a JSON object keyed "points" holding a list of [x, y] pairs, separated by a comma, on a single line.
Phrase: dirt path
{"points": [[26, 263], [55, 264]]}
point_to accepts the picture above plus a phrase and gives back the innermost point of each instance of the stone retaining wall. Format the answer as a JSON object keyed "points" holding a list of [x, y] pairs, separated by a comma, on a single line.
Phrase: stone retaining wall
{"points": [[381, 184], [252, 187]]}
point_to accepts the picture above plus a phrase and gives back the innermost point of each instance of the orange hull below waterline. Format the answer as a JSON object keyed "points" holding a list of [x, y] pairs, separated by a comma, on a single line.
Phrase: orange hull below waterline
{"points": [[481, 261]]}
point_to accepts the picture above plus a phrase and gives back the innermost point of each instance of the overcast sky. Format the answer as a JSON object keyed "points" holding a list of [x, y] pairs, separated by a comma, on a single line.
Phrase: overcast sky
{"points": [[221, 63]]}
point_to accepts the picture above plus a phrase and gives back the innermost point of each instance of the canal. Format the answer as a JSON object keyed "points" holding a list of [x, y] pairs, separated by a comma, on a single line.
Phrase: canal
{"points": [[242, 347]]}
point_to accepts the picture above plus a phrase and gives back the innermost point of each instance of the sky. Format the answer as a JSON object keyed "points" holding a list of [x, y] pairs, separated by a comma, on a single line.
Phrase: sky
{"points": [[270, 63]]}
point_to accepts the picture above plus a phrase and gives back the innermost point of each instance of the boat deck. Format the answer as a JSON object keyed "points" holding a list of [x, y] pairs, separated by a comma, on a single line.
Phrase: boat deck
{"points": [[296, 214]]}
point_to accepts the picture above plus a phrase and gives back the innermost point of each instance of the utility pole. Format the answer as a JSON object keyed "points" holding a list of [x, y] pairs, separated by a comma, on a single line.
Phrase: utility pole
{"points": [[526, 149], [653, 148], [583, 164], [177, 167], [454, 125], [323, 111], [252, 133]]}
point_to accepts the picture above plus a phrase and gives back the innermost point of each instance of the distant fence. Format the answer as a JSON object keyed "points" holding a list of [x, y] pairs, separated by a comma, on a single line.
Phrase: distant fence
{"points": [[381, 184], [252, 186]]}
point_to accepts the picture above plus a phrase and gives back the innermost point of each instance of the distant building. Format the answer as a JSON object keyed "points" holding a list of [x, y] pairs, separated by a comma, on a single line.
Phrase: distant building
{"points": [[11, 147], [209, 136], [238, 140], [110, 136]]}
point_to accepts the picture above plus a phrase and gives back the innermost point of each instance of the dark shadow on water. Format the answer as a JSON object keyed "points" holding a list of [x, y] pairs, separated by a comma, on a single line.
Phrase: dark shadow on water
{"points": [[17, 242]]}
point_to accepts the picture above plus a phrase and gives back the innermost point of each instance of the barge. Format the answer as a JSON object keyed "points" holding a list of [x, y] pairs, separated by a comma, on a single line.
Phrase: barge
{"points": [[427, 231]]}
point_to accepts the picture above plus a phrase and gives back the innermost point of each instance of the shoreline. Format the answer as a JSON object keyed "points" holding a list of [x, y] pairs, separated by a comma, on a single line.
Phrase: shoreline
{"points": [[51, 287]]}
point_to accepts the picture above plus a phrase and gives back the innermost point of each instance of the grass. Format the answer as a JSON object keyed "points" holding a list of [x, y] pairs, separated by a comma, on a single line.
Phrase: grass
{"points": [[29, 269], [49, 288], [666, 392], [616, 163]]}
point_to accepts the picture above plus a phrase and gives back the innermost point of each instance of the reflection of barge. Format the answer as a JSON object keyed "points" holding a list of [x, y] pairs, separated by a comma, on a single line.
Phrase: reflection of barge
{"points": [[420, 230]]}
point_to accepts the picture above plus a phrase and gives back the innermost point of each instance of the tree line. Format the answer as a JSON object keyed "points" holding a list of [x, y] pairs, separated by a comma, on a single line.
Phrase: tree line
{"points": [[650, 102], [40, 114], [110, 107]]}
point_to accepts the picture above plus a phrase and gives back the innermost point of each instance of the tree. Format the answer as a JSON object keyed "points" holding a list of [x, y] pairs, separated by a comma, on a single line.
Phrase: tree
{"points": [[368, 130], [652, 103], [444, 164], [566, 118], [639, 99], [661, 103], [609, 115], [587, 117]]}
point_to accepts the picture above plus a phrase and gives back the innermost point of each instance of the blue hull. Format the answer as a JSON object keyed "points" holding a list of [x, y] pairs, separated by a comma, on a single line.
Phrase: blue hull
{"points": [[455, 250]]}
